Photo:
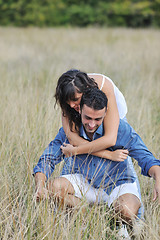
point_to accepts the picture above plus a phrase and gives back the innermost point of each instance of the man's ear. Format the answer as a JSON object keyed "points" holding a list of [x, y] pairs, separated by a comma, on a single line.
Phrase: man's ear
{"points": [[80, 111]]}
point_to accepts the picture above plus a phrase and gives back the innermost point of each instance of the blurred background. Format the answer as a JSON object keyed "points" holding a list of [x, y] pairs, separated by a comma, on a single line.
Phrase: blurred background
{"points": [[39, 40], [130, 13]]}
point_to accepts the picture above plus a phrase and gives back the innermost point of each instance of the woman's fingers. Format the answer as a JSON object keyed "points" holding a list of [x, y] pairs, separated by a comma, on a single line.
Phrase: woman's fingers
{"points": [[119, 155], [125, 151]]}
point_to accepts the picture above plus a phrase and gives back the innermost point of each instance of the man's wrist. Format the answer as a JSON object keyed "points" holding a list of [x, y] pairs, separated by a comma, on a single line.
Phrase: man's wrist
{"points": [[40, 179], [154, 172]]}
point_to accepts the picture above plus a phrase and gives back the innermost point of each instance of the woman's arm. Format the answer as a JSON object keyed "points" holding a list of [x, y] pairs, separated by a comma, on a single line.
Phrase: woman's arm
{"points": [[73, 136], [118, 155], [111, 123], [76, 140]]}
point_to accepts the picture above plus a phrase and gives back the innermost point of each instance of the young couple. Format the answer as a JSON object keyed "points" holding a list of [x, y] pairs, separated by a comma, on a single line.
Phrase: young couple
{"points": [[96, 144]]}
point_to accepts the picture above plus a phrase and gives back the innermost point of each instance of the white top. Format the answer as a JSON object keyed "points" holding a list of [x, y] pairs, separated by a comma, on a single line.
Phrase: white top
{"points": [[121, 102]]}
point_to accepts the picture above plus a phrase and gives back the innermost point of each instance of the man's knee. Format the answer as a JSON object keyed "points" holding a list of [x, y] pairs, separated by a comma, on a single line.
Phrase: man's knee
{"points": [[60, 187], [127, 206]]}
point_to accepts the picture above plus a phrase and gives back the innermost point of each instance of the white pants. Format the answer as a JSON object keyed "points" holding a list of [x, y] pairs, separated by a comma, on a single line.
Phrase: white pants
{"points": [[83, 189]]}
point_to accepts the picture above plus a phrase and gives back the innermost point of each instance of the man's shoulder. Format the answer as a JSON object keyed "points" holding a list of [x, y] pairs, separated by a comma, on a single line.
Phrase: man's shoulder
{"points": [[122, 123], [125, 132], [61, 133], [59, 138], [124, 126]]}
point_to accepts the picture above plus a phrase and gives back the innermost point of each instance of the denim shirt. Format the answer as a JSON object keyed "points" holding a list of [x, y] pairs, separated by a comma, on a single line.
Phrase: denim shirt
{"points": [[100, 172]]}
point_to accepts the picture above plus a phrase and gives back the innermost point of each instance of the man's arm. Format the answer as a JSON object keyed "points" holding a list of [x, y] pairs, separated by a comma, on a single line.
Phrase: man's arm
{"points": [[149, 164], [129, 139], [46, 164], [154, 172]]}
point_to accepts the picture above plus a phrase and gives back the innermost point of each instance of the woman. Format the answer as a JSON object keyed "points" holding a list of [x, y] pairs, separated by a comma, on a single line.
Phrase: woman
{"points": [[69, 90]]}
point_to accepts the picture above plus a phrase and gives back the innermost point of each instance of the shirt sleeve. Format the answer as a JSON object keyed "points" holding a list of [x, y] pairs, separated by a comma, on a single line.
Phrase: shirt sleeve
{"points": [[51, 156]]}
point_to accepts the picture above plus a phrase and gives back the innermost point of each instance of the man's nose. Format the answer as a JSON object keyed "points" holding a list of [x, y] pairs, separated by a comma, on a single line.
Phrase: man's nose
{"points": [[92, 124]]}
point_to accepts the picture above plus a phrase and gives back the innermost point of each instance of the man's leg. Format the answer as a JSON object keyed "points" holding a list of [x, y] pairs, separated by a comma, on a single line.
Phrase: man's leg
{"points": [[63, 192], [130, 162], [126, 200], [127, 206], [140, 213], [71, 188]]}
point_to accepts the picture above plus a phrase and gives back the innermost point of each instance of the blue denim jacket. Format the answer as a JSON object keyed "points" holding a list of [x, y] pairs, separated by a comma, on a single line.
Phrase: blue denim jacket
{"points": [[100, 172]]}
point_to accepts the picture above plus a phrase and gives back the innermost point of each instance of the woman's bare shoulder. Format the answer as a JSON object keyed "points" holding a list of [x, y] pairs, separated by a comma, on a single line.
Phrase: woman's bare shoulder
{"points": [[99, 79]]}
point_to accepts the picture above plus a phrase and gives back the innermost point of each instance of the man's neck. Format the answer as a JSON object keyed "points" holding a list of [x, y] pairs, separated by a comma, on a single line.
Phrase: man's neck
{"points": [[90, 135]]}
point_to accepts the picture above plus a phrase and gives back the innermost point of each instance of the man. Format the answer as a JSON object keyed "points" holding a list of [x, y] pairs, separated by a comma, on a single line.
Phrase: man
{"points": [[96, 178]]}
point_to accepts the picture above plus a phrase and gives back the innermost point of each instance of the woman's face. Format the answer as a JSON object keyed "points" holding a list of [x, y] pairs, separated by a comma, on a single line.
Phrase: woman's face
{"points": [[76, 103]]}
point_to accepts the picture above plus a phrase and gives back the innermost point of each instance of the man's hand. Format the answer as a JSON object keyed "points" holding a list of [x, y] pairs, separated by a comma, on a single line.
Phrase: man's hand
{"points": [[41, 191], [118, 155], [156, 191], [154, 172], [41, 194], [68, 150]]}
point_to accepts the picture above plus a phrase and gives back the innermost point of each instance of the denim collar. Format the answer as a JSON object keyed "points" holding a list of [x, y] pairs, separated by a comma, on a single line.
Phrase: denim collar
{"points": [[99, 132]]}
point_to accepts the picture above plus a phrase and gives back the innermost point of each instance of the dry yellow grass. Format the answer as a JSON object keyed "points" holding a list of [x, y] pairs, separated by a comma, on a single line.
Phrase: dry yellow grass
{"points": [[31, 60]]}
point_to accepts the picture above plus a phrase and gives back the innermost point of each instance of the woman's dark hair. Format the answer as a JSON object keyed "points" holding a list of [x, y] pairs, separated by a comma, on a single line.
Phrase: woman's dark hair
{"points": [[95, 99], [68, 84]]}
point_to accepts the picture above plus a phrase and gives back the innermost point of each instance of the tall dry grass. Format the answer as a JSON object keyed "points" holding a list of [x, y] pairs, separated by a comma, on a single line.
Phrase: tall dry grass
{"points": [[31, 60]]}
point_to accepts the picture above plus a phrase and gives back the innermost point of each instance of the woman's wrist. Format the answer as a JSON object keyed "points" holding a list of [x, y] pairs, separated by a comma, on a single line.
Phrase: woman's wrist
{"points": [[76, 150], [109, 154]]}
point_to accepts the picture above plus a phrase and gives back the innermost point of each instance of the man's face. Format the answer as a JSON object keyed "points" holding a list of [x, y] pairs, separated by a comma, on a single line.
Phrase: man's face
{"points": [[92, 119]]}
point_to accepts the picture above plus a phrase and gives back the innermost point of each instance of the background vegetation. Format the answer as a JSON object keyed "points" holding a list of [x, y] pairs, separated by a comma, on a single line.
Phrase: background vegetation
{"points": [[132, 13], [31, 60]]}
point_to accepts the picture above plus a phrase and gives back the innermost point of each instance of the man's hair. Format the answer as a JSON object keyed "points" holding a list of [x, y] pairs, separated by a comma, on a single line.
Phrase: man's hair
{"points": [[94, 98]]}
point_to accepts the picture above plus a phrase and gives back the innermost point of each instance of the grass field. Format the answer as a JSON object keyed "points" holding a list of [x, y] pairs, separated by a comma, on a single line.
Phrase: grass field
{"points": [[31, 60]]}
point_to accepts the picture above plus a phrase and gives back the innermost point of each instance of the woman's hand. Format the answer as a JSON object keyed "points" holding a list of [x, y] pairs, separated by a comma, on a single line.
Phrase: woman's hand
{"points": [[119, 155], [68, 150]]}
